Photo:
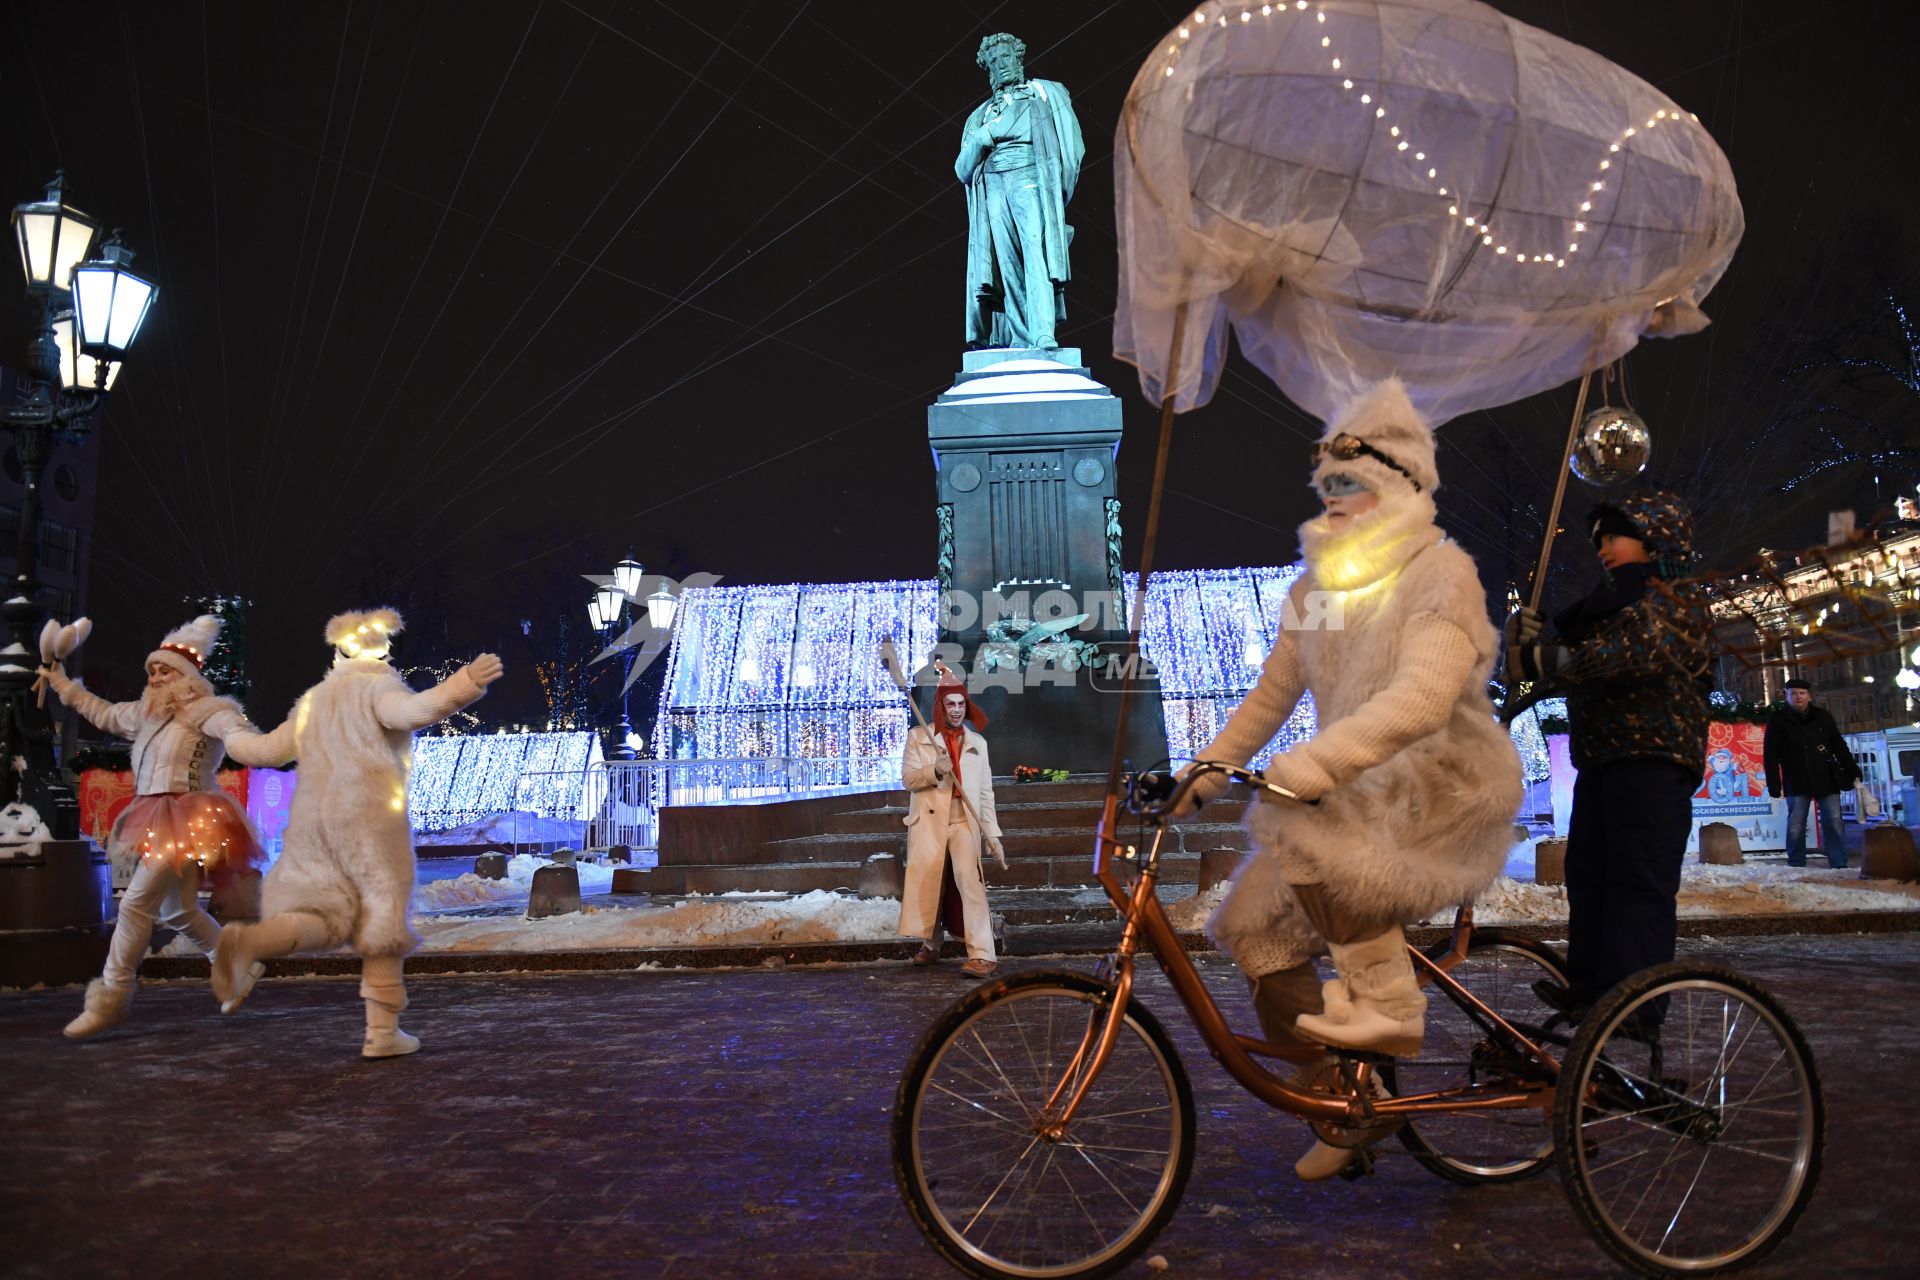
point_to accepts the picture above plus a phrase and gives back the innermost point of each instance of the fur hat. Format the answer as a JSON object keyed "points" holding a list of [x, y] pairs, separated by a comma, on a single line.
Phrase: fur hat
{"points": [[1385, 419], [364, 635], [185, 648]]}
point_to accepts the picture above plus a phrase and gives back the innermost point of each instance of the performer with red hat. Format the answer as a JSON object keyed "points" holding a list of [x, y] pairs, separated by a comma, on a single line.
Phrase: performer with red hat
{"points": [[949, 819], [180, 824]]}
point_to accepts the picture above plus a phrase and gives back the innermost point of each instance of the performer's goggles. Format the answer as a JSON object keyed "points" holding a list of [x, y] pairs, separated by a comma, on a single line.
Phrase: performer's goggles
{"points": [[1346, 448]]}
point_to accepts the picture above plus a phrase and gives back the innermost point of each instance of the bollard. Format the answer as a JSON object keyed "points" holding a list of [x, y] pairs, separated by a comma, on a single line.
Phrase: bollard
{"points": [[563, 857], [620, 853], [1550, 862], [556, 892], [1216, 865], [882, 876], [1521, 831], [1889, 855], [491, 866], [632, 880], [1720, 845]]}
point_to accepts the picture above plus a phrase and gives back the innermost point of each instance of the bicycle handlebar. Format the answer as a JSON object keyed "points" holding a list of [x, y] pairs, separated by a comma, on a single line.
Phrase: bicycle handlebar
{"points": [[1157, 796]]}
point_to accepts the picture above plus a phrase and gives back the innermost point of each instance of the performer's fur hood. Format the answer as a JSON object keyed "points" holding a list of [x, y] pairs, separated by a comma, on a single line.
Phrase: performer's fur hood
{"points": [[1385, 418], [367, 634]]}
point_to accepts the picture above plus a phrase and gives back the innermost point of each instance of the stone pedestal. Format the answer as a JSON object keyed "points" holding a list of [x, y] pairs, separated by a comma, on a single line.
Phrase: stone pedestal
{"points": [[1024, 446], [56, 914], [1550, 862], [1217, 865], [1720, 845], [1887, 853], [882, 876], [555, 892]]}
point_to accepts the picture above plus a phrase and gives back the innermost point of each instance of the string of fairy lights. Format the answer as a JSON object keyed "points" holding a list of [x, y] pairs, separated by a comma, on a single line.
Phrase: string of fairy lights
{"points": [[1472, 216]]}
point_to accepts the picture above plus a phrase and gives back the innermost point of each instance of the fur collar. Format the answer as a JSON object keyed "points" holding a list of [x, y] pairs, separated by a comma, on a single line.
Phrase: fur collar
{"points": [[1375, 547]]}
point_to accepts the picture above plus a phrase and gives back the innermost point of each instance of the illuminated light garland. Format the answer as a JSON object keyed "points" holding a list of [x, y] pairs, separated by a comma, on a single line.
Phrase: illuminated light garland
{"points": [[735, 686], [461, 779]]}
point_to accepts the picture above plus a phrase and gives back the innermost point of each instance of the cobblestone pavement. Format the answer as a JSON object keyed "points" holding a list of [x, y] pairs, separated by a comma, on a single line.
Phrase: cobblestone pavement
{"points": [[718, 1124]]}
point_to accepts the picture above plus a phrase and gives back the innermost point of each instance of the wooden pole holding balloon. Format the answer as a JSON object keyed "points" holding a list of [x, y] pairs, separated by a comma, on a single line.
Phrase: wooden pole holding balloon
{"points": [[1559, 492], [1136, 616]]}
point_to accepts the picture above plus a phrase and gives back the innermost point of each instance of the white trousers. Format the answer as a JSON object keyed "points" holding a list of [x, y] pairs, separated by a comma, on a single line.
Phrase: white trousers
{"points": [[963, 855], [156, 892]]}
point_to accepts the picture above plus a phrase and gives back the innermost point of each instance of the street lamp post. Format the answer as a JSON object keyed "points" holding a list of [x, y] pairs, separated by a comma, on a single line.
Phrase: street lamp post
{"points": [[609, 609], [84, 313]]}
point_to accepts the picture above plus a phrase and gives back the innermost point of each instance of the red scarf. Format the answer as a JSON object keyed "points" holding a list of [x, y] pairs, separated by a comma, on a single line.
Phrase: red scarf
{"points": [[956, 739]]}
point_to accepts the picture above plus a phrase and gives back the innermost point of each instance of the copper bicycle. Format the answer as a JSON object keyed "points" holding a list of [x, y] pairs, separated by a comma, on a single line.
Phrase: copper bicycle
{"points": [[1045, 1126]]}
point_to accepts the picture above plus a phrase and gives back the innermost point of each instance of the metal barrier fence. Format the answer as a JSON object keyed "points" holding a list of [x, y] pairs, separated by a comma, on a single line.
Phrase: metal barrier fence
{"points": [[625, 797]]}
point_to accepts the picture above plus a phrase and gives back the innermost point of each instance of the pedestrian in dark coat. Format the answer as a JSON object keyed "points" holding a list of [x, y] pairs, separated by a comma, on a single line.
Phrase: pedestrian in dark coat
{"points": [[1635, 659], [1808, 760]]}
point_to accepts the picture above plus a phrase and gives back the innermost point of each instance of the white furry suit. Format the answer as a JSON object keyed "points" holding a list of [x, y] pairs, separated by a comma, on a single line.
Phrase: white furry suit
{"points": [[346, 873], [348, 856]]}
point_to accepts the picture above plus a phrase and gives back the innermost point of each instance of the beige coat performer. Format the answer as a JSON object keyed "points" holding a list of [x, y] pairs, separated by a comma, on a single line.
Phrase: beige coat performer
{"points": [[946, 828]]}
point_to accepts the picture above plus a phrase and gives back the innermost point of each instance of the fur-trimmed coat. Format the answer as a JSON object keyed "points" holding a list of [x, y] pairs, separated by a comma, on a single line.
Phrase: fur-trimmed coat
{"points": [[348, 856], [1417, 783], [172, 753]]}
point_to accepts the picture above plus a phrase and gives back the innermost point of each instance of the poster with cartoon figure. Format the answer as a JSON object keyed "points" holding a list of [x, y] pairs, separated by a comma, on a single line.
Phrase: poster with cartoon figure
{"points": [[1733, 789]]}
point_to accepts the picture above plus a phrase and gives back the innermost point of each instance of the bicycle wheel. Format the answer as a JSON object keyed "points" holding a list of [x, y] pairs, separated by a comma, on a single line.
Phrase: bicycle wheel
{"points": [[1689, 1121], [993, 1196], [1476, 1147]]}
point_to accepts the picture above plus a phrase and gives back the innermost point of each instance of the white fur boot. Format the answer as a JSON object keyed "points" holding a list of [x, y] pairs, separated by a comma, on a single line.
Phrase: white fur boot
{"points": [[238, 959], [1376, 1004], [1323, 1160], [386, 995], [106, 1006]]}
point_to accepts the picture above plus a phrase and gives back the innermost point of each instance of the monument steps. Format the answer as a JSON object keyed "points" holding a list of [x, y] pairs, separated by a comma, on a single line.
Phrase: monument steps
{"points": [[1047, 829]]}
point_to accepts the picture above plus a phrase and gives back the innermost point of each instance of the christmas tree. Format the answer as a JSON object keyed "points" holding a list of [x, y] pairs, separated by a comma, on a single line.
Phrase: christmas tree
{"points": [[226, 668]]}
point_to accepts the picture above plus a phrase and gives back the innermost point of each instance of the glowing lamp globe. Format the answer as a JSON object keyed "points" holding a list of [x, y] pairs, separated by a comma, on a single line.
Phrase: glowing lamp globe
{"points": [[603, 607], [626, 577], [78, 369], [52, 238], [1613, 447], [660, 609], [110, 302]]}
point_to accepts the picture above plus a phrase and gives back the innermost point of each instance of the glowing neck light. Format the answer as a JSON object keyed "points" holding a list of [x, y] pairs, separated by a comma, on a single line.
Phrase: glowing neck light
{"points": [[1370, 553]]}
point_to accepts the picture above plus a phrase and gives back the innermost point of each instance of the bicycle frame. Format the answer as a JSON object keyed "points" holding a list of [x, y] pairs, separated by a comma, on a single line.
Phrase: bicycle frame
{"points": [[1146, 920]]}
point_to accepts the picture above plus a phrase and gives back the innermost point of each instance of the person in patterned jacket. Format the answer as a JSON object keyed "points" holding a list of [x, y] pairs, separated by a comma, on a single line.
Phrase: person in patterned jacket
{"points": [[1635, 659]]}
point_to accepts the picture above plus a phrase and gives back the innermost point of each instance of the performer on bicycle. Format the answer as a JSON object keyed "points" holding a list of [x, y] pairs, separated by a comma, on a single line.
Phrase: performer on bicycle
{"points": [[1416, 782]]}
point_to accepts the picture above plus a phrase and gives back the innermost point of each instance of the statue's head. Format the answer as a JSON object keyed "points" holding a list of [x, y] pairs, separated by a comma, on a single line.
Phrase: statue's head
{"points": [[1004, 58]]}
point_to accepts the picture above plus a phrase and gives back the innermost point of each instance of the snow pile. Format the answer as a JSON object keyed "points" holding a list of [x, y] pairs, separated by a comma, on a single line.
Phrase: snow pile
{"points": [[470, 890], [1749, 889], [820, 916], [1189, 914]]}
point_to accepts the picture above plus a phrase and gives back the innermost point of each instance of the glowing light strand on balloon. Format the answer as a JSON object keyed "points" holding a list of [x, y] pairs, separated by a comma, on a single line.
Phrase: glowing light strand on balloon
{"points": [[1477, 224]]}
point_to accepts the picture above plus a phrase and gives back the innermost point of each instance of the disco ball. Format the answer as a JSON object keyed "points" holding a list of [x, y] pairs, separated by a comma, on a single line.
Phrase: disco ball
{"points": [[1612, 448]]}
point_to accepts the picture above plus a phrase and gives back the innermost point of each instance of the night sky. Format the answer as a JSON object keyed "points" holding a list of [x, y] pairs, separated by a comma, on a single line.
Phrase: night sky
{"points": [[461, 301]]}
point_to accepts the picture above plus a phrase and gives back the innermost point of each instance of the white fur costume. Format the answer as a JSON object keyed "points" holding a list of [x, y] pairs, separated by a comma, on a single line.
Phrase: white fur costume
{"points": [[1417, 783], [346, 871]]}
